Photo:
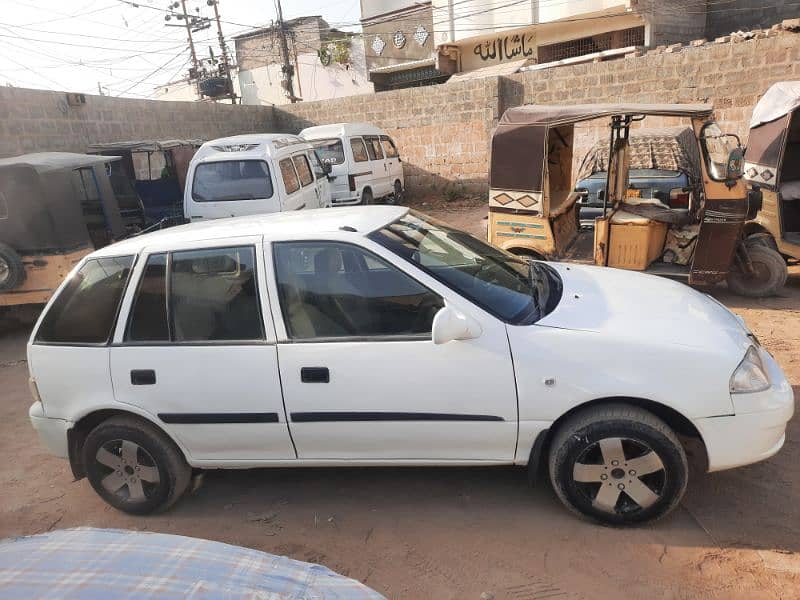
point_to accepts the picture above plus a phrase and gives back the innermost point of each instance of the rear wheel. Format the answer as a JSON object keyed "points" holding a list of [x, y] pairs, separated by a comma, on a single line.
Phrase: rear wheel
{"points": [[768, 277], [396, 197], [366, 197], [618, 465], [133, 466], [12, 271]]}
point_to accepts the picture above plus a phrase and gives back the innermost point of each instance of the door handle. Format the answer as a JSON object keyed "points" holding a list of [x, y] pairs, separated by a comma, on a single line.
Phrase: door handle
{"points": [[315, 375], [143, 377]]}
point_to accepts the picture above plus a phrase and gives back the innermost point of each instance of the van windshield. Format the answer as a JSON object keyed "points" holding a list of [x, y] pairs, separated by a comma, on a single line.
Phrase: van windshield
{"points": [[330, 151], [229, 180]]}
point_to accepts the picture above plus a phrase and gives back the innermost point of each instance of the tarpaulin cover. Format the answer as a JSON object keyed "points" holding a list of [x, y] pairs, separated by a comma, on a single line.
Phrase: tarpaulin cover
{"points": [[778, 101], [143, 145], [89, 563]]}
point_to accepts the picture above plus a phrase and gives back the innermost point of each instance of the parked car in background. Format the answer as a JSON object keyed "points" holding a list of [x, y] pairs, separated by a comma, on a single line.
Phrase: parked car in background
{"points": [[255, 174], [55, 208], [365, 163], [379, 336], [664, 166]]}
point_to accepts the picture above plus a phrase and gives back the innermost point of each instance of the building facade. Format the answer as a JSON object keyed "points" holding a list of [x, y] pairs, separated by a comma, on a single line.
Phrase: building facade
{"points": [[399, 45], [326, 63]]}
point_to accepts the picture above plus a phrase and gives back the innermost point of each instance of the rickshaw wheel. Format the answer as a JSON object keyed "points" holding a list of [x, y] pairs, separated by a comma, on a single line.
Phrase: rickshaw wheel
{"points": [[12, 271], [770, 274]]}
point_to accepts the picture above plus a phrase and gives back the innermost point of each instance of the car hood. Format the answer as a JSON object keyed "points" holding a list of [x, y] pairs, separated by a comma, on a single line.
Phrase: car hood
{"points": [[627, 304]]}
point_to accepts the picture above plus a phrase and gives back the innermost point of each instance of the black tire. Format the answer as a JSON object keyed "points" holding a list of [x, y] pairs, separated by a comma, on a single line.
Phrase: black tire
{"points": [[167, 477], [761, 239], [770, 276], [644, 440], [366, 197], [396, 197], [12, 271]]}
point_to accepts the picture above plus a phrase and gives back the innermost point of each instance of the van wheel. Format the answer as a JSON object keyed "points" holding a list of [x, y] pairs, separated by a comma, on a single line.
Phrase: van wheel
{"points": [[12, 271], [769, 276], [134, 467], [396, 197], [618, 465], [366, 197]]}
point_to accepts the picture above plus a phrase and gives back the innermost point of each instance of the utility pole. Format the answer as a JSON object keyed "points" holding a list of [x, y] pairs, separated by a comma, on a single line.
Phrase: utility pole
{"points": [[225, 61], [287, 69], [195, 65]]}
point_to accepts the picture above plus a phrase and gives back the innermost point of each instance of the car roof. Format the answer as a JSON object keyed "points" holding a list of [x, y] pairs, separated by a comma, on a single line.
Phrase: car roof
{"points": [[246, 145], [340, 129], [358, 221]]}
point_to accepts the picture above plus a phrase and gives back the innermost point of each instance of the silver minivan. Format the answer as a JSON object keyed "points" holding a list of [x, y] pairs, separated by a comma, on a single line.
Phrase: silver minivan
{"points": [[365, 164], [254, 174]]}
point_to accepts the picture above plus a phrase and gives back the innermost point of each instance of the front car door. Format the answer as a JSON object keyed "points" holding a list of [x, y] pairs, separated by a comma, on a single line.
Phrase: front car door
{"points": [[322, 184], [362, 379], [295, 197], [195, 350], [393, 164], [380, 171]]}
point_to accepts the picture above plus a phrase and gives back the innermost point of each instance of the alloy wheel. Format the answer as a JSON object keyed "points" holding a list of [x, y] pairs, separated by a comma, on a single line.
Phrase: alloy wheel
{"points": [[620, 475], [132, 472]]}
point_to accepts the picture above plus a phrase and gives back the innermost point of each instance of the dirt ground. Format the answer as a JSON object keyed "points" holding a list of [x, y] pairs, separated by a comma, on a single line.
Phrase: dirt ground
{"points": [[457, 533]]}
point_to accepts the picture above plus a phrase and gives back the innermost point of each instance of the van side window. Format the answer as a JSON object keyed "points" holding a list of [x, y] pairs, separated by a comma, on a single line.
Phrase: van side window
{"points": [[316, 165], [359, 150], [86, 309], [329, 289], [214, 295], [374, 147], [290, 181], [303, 169], [148, 318], [388, 147]]}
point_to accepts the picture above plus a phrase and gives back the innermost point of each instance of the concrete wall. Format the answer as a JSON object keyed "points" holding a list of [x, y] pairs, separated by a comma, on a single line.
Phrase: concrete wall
{"points": [[38, 121], [745, 15]]}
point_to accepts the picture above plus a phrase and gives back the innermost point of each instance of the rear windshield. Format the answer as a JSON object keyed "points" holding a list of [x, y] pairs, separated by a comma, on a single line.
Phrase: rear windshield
{"points": [[229, 180], [330, 151], [86, 309]]}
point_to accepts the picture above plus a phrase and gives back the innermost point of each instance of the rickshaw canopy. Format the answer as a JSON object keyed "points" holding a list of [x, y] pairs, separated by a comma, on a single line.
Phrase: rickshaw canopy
{"points": [[767, 142], [41, 201]]}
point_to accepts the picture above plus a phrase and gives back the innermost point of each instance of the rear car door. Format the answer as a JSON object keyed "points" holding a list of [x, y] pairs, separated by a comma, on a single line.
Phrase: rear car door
{"points": [[295, 197], [320, 179], [394, 165], [195, 349], [312, 193], [362, 378]]}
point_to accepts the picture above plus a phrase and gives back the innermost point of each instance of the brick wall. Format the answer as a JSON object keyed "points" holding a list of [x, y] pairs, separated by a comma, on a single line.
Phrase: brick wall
{"points": [[735, 15], [442, 131], [38, 121]]}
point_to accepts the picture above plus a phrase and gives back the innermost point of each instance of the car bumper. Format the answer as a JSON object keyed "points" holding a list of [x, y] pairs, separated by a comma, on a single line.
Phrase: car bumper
{"points": [[52, 432], [344, 201], [757, 430]]}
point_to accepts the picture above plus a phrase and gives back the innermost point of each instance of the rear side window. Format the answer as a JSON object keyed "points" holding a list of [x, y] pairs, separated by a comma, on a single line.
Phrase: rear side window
{"points": [[330, 151], [86, 309], [230, 180], [359, 150], [148, 321], [388, 147], [303, 170], [290, 181], [373, 147]]}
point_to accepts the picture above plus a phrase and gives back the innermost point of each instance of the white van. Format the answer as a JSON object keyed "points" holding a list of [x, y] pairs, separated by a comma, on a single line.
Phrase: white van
{"points": [[254, 174], [365, 163]]}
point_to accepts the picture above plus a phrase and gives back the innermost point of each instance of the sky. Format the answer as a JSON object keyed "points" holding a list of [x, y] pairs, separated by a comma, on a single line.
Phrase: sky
{"points": [[124, 46]]}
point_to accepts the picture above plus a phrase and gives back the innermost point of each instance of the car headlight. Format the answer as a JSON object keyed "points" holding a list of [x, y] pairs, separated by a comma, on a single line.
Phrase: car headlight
{"points": [[750, 375]]}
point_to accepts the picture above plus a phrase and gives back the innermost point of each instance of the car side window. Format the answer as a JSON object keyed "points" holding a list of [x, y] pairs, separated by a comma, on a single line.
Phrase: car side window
{"points": [[359, 150], [336, 290], [289, 175], [85, 310], [374, 147], [388, 147], [316, 165], [303, 169], [212, 297]]}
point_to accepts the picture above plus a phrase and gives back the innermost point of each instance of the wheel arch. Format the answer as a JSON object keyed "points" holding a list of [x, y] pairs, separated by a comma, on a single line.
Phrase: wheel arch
{"points": [[678, 422], [76, 436]]}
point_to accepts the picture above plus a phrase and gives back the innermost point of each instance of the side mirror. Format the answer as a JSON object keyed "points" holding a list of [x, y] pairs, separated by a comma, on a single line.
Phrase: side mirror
{"points": [[450, 324], [326, 168], [735, 168]]}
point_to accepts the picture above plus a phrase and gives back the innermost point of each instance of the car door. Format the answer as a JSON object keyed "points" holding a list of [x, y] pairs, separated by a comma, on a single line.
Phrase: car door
{"points": [[321, 183], [196, 351], [295, 195], [393, 164], [380, 172], [362, 378]]}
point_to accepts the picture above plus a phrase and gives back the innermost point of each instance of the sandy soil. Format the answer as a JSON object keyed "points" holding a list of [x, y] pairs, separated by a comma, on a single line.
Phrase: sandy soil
{"points": [[458, 533]]}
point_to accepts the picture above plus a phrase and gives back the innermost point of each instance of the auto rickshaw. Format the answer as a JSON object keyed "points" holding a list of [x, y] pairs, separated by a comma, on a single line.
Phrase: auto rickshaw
{"points": [[55, 207], [772, 165], [533, 204]]}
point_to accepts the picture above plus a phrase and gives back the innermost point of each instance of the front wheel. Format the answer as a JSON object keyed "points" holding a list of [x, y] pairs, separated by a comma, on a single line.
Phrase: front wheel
{"points": [[768, 277], [618, 465], [134, 467]]}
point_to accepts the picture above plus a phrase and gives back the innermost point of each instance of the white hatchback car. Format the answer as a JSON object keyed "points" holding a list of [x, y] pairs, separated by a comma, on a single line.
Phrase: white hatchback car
{"points": [[379, 336]]}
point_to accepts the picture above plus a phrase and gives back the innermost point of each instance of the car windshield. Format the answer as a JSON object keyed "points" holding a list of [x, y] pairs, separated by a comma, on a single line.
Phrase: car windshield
{"points": [[330, 151], [513, 289], [229, 180]]}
